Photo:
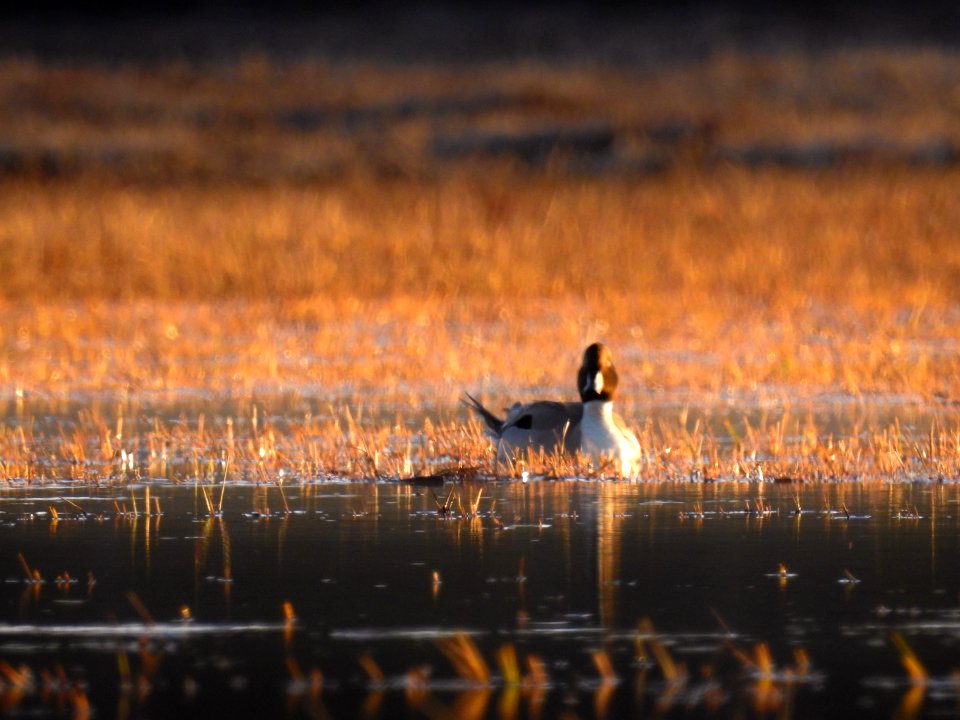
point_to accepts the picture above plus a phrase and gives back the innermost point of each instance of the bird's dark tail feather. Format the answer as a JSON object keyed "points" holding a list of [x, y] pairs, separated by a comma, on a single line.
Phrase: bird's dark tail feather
{"points": [[492, 421]]}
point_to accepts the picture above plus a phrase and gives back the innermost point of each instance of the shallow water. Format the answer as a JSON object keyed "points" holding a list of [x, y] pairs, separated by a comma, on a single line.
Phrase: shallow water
{"points": [[558, 570]]}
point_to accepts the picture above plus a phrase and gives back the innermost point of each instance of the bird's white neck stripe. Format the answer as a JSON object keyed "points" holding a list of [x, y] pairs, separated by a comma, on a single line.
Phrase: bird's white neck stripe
{"points": [[598, 410]]}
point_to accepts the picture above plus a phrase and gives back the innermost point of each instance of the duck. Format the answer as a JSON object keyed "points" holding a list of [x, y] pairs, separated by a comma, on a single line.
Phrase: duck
{"points": [[589, 426], [604, 435]]}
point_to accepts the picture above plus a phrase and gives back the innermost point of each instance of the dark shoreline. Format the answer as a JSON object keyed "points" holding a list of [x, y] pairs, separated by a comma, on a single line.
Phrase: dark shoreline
{"points": [[448, 33]]}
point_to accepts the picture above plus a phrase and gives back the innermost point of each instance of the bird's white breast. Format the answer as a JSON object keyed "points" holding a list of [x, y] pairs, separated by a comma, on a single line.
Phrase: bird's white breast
{"points": [[602, 438]]}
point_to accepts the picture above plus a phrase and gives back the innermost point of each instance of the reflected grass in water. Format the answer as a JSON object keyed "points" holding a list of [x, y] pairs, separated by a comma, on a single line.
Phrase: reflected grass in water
{"points": [[617, 598]]}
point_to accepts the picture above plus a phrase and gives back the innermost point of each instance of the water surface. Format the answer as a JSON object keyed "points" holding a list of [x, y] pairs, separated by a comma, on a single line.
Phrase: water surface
{"points": [[557, 570]]}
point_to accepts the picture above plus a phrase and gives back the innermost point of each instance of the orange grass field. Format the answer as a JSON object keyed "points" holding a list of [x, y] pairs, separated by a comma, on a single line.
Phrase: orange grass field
{"points": [[229, 267], [844, 281]]}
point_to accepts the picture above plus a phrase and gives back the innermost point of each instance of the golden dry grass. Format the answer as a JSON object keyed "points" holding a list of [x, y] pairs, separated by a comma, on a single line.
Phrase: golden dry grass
{"points": [[671, 246], [745, 288], [221, 214], [834, 282], [129, 443], [228, 271]]}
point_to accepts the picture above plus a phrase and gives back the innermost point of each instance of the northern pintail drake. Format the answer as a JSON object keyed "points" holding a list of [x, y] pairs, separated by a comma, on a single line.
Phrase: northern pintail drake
{"points": [[603, 434], [589, 426]]}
